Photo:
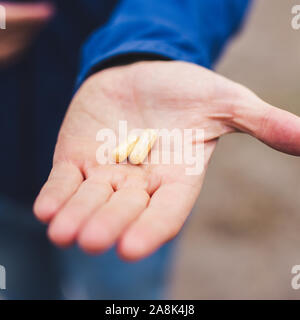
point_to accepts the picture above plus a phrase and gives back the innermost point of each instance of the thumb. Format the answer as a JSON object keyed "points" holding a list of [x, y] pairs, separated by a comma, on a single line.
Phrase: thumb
{"points": [[275, 127]]}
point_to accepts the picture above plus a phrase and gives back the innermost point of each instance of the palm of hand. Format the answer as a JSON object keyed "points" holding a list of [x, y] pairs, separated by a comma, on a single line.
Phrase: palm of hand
{"points": [[141, 207]]}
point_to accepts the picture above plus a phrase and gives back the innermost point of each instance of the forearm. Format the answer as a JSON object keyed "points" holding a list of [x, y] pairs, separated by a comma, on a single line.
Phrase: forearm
{"points": [[191, 30]]}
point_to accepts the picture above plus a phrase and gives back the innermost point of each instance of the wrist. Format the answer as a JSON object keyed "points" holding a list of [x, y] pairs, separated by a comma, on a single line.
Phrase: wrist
{"points": [[126, 59]]}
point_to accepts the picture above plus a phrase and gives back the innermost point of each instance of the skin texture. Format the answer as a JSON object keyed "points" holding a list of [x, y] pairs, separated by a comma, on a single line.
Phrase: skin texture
{"points": [[139, 208], [23, 22]]}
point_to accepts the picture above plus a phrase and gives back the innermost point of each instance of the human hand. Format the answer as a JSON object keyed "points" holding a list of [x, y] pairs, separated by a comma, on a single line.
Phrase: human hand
{"points": [[23, 21], [142, 207]]}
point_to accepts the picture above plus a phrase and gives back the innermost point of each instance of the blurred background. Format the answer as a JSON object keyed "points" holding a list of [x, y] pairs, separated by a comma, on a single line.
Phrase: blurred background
{"points": [[244, 235]]}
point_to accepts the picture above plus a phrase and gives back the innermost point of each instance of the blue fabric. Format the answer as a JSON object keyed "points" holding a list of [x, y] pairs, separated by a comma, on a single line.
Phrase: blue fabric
{"points": [[35, 93], [189, 30]]}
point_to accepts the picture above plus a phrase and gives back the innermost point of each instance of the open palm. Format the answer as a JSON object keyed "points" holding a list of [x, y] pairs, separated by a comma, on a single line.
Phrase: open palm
{"points": [[142, 207]]}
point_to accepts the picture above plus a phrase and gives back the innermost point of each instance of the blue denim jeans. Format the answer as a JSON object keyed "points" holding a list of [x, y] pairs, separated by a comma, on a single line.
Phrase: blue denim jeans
{"points": [[35, 269]]}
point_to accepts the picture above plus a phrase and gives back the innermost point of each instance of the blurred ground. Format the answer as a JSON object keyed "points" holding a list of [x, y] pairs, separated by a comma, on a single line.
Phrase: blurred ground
{"points": [[244, 235]]}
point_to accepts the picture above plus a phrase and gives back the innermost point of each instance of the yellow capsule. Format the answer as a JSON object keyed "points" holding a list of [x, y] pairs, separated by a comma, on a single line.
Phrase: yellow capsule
{"points": [[143, 146], [124, 149]]}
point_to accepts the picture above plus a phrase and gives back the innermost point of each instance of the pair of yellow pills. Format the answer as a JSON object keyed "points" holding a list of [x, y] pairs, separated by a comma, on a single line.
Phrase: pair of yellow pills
{"points": [[136, 147]]}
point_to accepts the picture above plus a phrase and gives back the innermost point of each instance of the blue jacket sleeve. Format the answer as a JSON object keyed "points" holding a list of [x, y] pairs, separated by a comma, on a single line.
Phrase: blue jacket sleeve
{"points": [[189, 30]]}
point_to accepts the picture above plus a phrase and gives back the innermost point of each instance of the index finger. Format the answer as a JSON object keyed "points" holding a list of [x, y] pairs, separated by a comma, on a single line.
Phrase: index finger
{"points": [[168, 209]]}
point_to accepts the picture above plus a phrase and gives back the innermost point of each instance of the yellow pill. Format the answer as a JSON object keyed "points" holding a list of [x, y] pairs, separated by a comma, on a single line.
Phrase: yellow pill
{"points": [[124, 149], [143, 146]]}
